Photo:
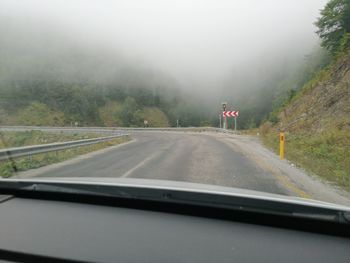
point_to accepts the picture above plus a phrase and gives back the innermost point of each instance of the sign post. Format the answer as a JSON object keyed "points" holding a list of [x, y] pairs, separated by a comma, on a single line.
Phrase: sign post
{"points": [[282, 141], [224, 104]]}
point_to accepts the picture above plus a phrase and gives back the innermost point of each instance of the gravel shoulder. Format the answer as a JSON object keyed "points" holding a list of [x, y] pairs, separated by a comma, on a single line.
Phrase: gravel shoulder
{"points": [[292, 177]]}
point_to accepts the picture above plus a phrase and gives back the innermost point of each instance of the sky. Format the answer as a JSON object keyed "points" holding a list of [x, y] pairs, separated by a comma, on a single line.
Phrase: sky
{"points": [[198, 42]]}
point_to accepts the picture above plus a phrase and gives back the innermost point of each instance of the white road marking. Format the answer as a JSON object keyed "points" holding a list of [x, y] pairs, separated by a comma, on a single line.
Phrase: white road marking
{"points": [[140, 164]]}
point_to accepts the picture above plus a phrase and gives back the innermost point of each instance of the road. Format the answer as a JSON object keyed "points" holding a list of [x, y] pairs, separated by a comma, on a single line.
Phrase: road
{"points": [[210, 158]]}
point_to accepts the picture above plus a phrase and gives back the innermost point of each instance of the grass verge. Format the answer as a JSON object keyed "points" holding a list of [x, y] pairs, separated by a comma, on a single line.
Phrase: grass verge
{"points": [[325, 154], [252, 132], [23, 138], [7, 168]]}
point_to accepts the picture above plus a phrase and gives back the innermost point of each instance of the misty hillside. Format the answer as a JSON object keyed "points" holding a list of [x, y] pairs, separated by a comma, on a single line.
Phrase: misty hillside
{"points": [[317, 124], [46, 78], [322, 106], [270, 88], [316, 117]]}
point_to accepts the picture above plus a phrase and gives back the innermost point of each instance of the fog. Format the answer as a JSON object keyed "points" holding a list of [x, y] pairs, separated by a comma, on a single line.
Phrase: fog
{"points": [[204, 46]]}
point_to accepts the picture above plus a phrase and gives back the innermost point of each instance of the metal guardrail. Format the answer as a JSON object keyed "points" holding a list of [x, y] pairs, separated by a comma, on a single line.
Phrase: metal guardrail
{"points": [[184, 129], [108, 130], [104, 130], [6, 154]]}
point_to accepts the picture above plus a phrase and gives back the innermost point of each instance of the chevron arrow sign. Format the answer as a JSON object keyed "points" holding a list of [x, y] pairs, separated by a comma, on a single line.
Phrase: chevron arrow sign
{"points": [[230, 113]]}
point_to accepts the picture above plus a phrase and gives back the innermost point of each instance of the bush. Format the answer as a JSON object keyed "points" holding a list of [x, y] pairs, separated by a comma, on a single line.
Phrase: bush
{"points": [[38, 114]]}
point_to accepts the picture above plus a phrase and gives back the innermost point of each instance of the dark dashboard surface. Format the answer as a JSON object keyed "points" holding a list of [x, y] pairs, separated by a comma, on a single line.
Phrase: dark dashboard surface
{"points": [[112, 234]]}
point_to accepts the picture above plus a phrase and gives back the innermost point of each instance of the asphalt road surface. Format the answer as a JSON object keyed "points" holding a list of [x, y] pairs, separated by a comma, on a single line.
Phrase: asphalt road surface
{"points": [[209, 158]]}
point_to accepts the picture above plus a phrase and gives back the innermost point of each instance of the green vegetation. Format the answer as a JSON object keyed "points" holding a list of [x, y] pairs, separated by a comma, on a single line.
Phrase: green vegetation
{"points": [[33, 104], [110, 114], [24, 138], [130, 114], [155, 117], [317, 123], [325, 154], [37, 114], [334, 25], [53, 107], [16, 139]]}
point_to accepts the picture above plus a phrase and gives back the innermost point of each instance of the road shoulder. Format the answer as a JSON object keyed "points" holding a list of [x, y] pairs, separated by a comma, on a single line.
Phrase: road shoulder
{"points": [[290, 176]]}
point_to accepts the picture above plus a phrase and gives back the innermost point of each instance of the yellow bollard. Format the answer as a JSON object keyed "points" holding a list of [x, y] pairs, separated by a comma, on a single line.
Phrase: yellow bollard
{"points": [[282, 140]]}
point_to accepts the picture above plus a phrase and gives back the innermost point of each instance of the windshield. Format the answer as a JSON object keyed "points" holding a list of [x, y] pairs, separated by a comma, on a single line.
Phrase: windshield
{"points": [[249, 95]]}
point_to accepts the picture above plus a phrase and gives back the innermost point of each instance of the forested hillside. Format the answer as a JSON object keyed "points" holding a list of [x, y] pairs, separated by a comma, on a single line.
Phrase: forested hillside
{"points": [[54, 81], [267, 89]]}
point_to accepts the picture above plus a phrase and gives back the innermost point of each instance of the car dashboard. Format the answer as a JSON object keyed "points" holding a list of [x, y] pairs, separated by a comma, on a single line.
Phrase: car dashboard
{"points": [[69, 230]]}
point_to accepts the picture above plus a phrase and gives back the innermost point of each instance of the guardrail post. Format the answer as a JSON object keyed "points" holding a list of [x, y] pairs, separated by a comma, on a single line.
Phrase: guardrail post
{"points": [[282, 141]]}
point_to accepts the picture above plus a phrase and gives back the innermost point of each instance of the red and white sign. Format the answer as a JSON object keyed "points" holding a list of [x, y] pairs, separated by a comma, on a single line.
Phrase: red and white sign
{"points": [[230, 113]]}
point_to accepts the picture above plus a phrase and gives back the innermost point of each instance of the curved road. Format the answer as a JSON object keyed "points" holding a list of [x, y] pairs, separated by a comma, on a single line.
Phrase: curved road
{"points": [[191, 157], [209, 158]]}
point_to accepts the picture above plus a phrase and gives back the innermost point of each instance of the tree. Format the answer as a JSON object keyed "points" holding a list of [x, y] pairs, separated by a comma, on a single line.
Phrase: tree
{"points": [[130, 112], [334, 24]]}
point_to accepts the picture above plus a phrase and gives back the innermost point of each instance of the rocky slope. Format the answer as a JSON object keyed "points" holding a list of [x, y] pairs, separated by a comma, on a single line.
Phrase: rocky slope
{"points": [[317, 125]]}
